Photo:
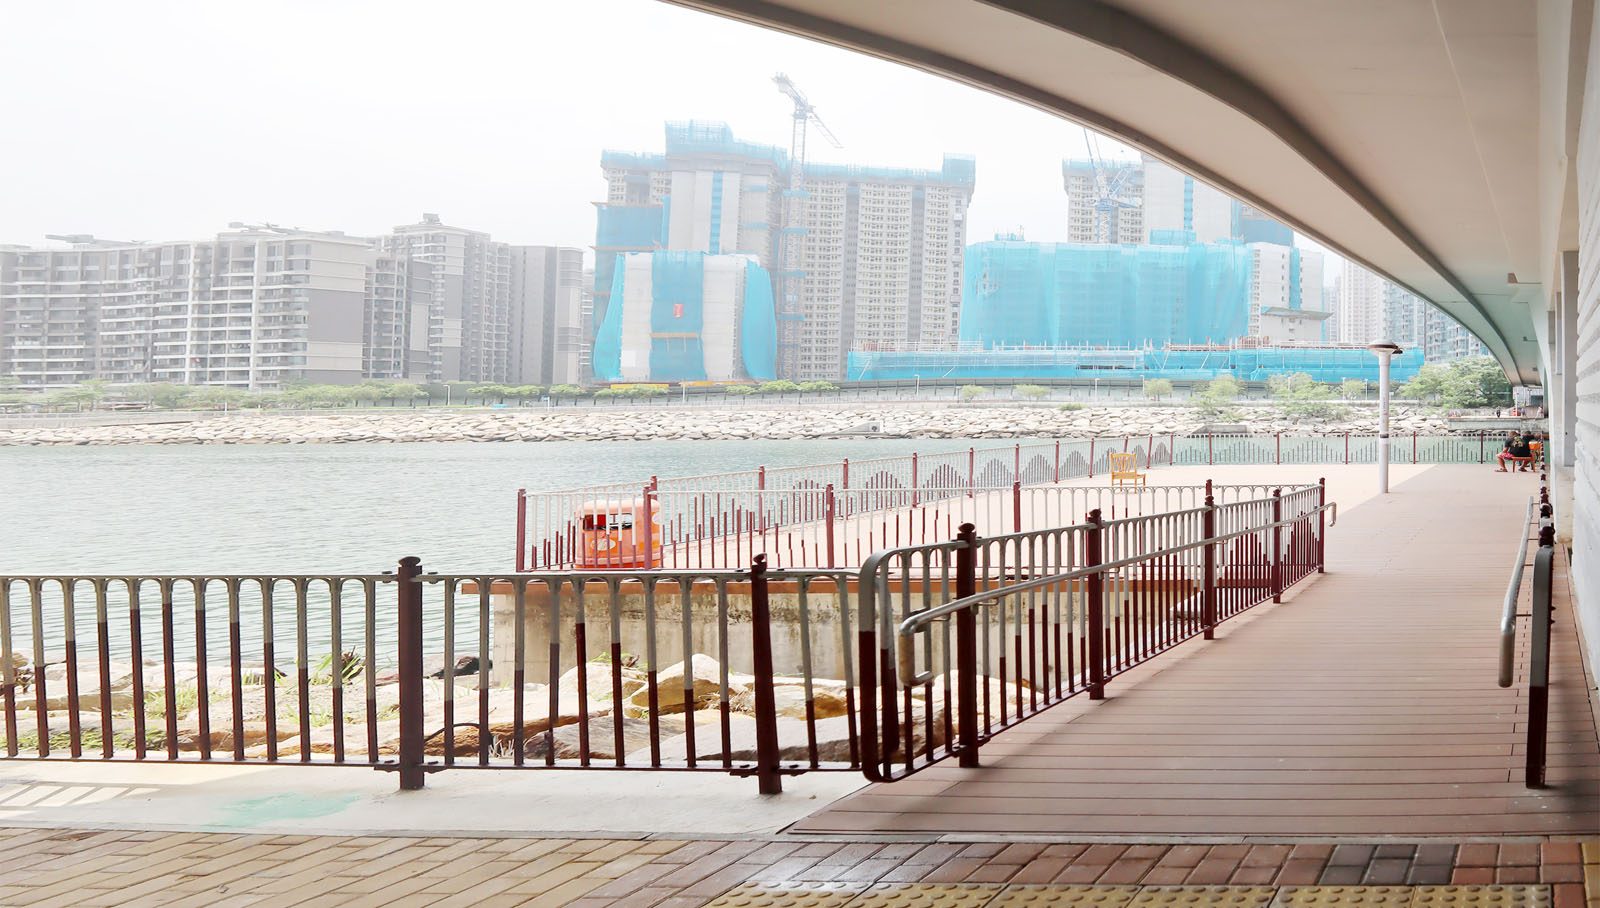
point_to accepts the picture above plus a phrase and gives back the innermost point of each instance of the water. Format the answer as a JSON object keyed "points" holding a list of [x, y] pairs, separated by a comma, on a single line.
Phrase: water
{"points": [[330, 508], [286, 509]]}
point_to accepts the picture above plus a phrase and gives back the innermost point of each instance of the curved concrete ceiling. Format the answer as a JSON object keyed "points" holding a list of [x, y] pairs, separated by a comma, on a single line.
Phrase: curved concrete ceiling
{"points": [[1401, 133]]}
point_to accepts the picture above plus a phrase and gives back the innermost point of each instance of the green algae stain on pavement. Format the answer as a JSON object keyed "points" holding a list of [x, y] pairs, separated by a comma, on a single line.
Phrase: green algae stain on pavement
{"points": [[273, 808]]}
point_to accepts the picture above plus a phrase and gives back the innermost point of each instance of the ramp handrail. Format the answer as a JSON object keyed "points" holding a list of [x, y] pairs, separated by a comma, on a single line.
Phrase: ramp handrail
{"points": [[1508, 616]]}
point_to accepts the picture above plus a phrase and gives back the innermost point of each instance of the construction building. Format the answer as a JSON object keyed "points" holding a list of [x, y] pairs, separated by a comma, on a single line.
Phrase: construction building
{"points": [[881, 256]]}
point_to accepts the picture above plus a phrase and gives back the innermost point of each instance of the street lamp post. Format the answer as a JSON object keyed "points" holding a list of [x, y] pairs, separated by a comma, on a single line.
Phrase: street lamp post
{"points": [[1385, 350], [917, 392]]}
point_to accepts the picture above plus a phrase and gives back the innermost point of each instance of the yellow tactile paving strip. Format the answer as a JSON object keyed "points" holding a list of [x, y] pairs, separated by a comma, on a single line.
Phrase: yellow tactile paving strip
{"points": [[969, 895]]}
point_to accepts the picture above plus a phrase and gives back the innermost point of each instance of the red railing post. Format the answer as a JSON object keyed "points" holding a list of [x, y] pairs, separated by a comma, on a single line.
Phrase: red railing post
{"points": [[1210, 458], [1280, 449], [522, 530], [1016, 462], [648, 527], [409, 634], [1094, 607], [972, 470], [1058, 463], [1172, 448], [1208, 576], [967, 647], [1277, 546], [1322, 499], [1124, 444], [846, 483], [761, 478], [1347, 449], [827, 518], [765, 704], [916, 488], [1016, 505], [1413, 449], [1480, 447], [1091, 457]]}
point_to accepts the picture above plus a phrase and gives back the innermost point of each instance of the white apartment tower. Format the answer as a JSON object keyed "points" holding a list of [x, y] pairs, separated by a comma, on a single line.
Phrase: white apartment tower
{"points": [[1360, 305], [469, 322], [548, 341], [250, 309]]}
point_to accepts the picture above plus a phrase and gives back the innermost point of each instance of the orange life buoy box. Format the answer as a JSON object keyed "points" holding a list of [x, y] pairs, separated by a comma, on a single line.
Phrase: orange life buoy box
{"points": [[609, 536]]}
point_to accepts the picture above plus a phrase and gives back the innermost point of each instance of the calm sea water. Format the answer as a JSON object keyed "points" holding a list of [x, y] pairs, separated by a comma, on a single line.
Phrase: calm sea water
{"points": [[335, 508]]}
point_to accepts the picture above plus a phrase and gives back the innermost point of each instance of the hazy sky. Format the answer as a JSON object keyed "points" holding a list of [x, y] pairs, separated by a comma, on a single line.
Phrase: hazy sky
{"points": [[167, 120]]}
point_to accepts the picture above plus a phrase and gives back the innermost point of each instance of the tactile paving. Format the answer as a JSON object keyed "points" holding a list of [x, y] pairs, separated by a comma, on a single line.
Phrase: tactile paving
{"points": [[1344, 897], [1203, 897], [1531, 895], [926, 895], [1082, 896], [788, 894]]}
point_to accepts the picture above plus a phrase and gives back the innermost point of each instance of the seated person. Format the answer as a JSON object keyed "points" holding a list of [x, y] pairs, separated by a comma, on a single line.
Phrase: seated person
{"points": [[1516, 449]]}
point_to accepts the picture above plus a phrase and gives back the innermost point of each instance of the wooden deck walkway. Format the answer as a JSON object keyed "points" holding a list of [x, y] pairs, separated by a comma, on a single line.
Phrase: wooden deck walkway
{"points": [[1365, 704]]}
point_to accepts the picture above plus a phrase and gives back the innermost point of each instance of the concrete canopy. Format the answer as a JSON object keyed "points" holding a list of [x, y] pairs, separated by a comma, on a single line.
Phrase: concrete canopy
{"points": [[1405, 134]]}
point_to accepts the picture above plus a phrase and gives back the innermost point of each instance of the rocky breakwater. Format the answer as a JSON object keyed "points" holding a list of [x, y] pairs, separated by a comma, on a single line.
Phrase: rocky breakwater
{"points": [[821, 421]]}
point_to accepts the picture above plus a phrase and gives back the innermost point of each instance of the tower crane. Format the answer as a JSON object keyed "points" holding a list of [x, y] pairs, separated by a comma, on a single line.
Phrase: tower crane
{"points": [[792, 235], [1110, 184]]}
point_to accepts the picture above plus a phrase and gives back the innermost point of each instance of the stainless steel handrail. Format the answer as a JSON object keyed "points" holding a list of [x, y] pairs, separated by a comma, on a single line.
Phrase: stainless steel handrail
{"points": [[1508, 615]]}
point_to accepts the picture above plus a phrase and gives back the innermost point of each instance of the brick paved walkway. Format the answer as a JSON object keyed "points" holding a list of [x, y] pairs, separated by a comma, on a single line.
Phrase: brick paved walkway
{"points": [[49, 868]]}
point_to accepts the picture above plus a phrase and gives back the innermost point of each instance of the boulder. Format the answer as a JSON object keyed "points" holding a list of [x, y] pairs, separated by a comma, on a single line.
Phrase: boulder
{"points": [[602, 740], [707, 674], [598, 678]]}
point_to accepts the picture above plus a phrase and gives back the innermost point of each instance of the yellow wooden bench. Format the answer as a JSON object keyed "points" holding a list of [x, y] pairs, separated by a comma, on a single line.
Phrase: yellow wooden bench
{"points": [[1124, 468]]}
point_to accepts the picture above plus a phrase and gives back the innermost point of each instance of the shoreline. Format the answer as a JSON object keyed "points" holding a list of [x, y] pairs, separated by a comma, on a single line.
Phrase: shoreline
{"points": [[659, 424]]}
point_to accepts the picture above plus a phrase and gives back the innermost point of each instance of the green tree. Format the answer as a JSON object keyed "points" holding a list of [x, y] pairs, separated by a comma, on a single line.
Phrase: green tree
{"points": [[370, 391], [971, 393], [1352, 388], [740, 390], [1030, 392], [1157, 388], [1215, 398], [1302, 397], [1476, 381], [778, 387], [818, 386], [457, 392], [402, 390], [568, 391], [1428, 385], [96, 389]]}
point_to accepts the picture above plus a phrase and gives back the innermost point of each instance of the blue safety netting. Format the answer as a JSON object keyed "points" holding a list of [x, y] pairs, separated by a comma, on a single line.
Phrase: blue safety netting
{"points": [[696, 137], [677, 316], [606, 359], [630, 227], [1017, 363], [959, 169], [758, 325], [1061, 294]]}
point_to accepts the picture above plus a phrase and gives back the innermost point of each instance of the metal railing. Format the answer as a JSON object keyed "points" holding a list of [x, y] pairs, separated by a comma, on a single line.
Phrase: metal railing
{"points": [[751, 672], [1040, 617], [1539, 624], [833, 515]]}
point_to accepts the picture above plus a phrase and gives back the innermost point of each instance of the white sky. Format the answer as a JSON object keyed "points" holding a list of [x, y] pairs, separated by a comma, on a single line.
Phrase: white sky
{"points": [[167, 120]]}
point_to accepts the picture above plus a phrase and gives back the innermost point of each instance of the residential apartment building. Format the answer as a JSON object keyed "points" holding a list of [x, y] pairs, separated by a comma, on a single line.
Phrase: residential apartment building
{"points": [[252, 309], [469, 319], [1286, 295], [1360, 305], [548, 341], [879, 250], [1370, 309]]}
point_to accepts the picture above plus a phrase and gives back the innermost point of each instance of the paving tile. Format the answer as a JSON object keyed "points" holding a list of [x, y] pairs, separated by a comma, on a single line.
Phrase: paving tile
{"points": [[1079, 872], [1516, 875], [1428, 875], [1386, 871], [1183, 856], [1040, 870], [1266, 856], [1299, 873], [1435, 853], [1211, 872], [1560, 873], [1560, 853], [1351, 855], [1342, 875], [1472, 876], [1478, 854], [1519, 854]]}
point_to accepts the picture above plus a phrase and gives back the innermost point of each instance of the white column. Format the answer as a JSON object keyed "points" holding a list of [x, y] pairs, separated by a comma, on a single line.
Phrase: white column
{"points": [[1384, 351]]}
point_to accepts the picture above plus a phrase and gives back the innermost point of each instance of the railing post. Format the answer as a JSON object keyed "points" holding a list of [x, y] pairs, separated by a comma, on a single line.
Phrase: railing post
{"points": [[1016, 462], [1280, 449], [916, 488], [1016, 505], [846, 483], [765, 704], [1058, 462], [1091, 457], [1480, 447], [972, 470], [967, 647], [1172, 448], [1210, 457], [761, 477], [1413, 448], [648, 527], [1347, 449], [1322, 528], [1277, 546], [522, 530], [409, 632], [827, 519], [1208, 576], [1094, 606]]}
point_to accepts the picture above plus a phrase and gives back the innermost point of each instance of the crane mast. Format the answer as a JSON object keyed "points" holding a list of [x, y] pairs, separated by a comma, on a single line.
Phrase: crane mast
{"points": [[791, 249]]}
